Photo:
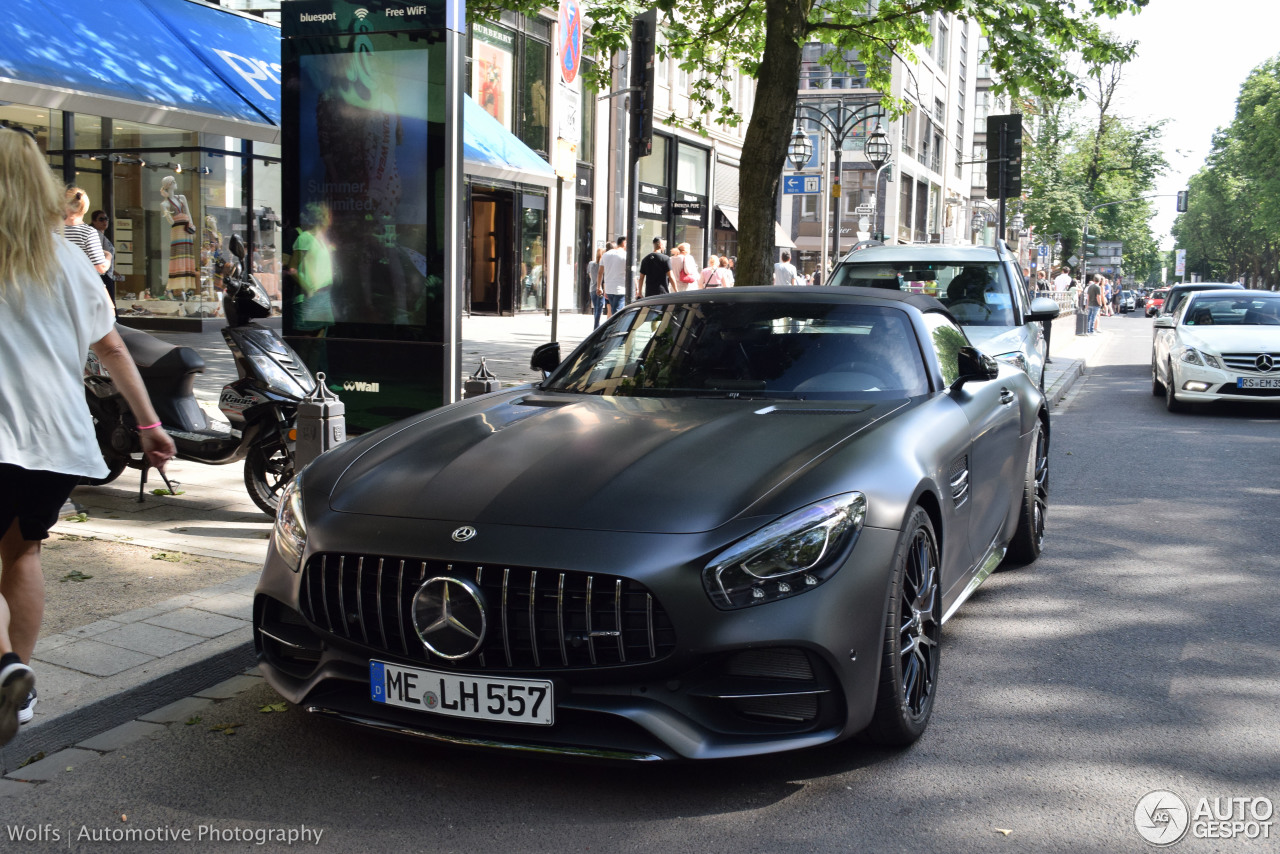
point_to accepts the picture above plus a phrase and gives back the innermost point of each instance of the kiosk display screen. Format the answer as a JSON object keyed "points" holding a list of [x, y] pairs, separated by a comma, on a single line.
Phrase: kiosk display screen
{"points": [[367, 254]]}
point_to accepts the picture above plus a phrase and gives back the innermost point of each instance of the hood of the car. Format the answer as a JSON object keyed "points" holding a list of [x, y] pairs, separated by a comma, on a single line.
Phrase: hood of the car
{"points": [[995, 340], [681, 465], [1232, 339]]}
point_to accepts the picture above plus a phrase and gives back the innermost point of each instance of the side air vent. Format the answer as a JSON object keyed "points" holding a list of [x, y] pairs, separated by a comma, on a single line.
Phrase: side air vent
{"points": [[960, 481]]}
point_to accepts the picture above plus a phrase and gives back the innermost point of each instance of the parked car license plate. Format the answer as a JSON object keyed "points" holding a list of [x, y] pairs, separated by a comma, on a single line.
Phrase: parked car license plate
{"points": [[459, 695], [1258, 382]]}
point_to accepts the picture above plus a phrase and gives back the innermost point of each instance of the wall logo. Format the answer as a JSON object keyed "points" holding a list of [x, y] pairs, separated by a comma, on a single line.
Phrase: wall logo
{"points": [[1161, 817], [355, 385], [362, 13]]}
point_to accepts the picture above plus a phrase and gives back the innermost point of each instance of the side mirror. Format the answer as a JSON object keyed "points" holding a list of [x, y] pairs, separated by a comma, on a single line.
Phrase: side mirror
{"points": [[1043, 308], [1164, 321], [237, 247], [546, 358], [975, 366]]}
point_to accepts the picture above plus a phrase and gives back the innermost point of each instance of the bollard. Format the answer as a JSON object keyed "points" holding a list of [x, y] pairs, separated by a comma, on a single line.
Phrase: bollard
{"points": [[481, 382], [321, 424]]}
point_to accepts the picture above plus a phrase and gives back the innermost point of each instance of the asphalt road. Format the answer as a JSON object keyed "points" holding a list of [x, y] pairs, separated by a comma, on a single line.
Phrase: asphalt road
{"points": [[1141, 652]]}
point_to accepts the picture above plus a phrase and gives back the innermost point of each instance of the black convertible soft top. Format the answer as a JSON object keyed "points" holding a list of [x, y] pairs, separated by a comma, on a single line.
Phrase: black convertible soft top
{"points": [[921, 302]]}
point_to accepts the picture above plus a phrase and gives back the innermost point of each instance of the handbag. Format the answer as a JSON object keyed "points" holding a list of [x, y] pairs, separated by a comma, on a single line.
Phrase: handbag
{"points": [[686, 276]]}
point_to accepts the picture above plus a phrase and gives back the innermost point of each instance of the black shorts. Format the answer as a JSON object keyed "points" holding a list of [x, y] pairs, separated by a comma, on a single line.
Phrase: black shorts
{"points": [[34, 498]]}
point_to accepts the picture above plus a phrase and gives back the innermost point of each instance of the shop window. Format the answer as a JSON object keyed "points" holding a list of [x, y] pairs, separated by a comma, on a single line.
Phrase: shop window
{"points": [[691, 170], [653, 167], [532, 293], [534, 130], [587, 119]]}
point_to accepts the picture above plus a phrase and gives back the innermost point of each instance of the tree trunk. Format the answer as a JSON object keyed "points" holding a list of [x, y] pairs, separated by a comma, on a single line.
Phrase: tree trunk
{"points": [[764, 150]]}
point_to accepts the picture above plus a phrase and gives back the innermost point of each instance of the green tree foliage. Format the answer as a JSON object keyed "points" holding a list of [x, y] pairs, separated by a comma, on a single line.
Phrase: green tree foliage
{"points": [[1232, 224], [1084, 157], [716, 41]]}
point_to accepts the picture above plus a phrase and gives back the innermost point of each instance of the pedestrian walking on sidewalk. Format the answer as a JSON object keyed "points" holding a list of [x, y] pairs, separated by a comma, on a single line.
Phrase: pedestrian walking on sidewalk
{"points": [[613, 276], [53, 309], [1095, 300]]}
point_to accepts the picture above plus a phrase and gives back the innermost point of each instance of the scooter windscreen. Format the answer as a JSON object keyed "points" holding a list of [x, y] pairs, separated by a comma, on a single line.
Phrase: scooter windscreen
{"points": [[274, 361]]}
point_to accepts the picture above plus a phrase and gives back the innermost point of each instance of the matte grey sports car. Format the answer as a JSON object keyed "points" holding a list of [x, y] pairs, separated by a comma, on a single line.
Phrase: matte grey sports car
{"points": [[731, 522]]}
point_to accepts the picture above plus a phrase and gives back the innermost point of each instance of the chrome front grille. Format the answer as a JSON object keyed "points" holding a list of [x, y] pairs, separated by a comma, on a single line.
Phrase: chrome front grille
{"points": [[1248, 362], [538, 618]]}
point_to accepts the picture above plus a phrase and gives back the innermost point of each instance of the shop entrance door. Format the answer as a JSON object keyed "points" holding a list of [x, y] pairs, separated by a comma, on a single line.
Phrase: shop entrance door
{"points": [[492, 251], [584, 252]]}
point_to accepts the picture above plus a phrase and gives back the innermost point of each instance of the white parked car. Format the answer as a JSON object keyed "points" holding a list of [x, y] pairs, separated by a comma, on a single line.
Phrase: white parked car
{"points": [[1218, 345]]}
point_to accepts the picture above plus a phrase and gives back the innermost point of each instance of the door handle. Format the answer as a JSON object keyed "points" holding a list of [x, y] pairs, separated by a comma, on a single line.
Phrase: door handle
{"points": [[1007, 396]]}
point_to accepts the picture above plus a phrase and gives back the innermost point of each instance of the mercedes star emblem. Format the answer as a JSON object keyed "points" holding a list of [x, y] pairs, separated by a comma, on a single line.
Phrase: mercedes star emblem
{"points": [[461, 535], [448, 615], [1265, 363]]}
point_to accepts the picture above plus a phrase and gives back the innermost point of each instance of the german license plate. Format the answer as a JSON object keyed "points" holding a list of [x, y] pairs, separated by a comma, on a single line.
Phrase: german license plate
{"points": [[459, 695], [1258, 382]]}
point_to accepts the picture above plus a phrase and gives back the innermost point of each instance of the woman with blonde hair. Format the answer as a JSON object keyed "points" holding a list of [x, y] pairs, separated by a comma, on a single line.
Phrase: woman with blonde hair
{"points": [[53, 310], [75, 229]]}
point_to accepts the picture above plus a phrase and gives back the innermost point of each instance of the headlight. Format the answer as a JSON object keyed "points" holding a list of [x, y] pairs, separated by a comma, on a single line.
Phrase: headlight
{"points": [[290, 532], [1015, 358], [1192, 356], [788, 557], [278, 379]]}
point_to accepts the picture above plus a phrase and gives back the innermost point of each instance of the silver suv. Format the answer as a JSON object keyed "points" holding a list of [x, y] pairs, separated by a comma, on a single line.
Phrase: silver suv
{"points": [[981, 286]]}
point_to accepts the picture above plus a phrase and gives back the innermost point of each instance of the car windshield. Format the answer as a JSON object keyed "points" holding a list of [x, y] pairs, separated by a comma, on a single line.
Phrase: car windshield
{"points": [[976, 293], [797, 350], [1230, 310]]}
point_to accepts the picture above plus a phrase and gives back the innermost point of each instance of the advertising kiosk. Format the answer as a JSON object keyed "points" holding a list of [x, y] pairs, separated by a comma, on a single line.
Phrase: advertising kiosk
{"points": [[372, 129]]}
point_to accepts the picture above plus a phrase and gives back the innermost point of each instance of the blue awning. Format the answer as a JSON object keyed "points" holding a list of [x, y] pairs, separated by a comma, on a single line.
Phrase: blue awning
{"points": [[489, 150], [163, 62]]}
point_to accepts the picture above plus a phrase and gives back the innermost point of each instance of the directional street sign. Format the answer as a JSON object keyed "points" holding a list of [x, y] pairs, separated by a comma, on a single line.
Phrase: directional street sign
{"points": [[863, 210], [805, 185]]}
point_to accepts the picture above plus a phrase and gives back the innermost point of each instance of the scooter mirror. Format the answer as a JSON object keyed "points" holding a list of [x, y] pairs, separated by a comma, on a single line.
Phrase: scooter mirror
{"points": [[237, 247]]}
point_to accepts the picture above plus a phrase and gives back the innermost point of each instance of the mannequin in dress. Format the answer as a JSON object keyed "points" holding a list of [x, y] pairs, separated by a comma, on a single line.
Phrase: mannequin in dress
{"points": [[183, 276]]}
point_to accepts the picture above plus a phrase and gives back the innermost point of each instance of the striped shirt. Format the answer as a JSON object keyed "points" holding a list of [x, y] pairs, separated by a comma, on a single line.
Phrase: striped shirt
{"points": [[88, 239]]}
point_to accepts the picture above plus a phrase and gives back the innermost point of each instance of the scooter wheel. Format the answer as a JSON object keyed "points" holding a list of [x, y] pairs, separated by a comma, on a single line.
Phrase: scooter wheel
{"points": [[267, 471], [115, 467]]}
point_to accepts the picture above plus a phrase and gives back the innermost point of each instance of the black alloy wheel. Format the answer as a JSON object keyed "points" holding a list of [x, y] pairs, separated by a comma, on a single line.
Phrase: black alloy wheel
{"points": [[1171, 402], [267, 471], [913, 637], [1028, 539]]}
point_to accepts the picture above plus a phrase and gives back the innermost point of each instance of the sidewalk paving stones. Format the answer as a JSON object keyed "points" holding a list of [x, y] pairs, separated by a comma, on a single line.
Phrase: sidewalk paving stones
{"points": [[179, 710], [125, 734], [94, 658], [149, 639], [229, 688], [52, 767], [197, 622]]}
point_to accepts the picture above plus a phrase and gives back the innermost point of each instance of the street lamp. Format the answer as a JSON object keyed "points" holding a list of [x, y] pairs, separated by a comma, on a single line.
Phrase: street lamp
{"points": [[800, 148], [878, 150], [841, 121]]}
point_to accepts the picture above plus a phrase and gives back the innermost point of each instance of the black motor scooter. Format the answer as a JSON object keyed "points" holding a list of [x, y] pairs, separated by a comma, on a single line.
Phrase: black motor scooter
{"points": [[261, 405]]}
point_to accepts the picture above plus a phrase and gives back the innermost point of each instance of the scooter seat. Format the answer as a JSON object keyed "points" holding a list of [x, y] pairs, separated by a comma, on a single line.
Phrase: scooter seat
{"points": [[158, 359]]}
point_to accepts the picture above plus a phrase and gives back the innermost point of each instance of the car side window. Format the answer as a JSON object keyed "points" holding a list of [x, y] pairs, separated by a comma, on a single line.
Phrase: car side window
{"points": [[946, 339]]}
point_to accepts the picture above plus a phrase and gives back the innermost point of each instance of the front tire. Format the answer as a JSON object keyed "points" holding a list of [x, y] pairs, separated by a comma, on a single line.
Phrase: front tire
{"points": [[1157, 387], [1171, 402], [1028, 539], [912, 638], [267, 471]]}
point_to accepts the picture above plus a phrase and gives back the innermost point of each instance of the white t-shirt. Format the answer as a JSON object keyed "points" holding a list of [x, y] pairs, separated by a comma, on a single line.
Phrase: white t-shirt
{"points": [[44, 421], [1062, 282], [614, 263], [783, 273]]}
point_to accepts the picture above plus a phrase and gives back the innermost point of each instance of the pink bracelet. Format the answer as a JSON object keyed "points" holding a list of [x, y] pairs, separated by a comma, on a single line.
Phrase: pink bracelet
{"points": [[149, 426]]}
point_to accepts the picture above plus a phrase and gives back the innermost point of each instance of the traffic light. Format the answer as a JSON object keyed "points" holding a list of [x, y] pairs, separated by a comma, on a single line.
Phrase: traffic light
{"points": [[1182, 201], [1004, 154], [1090, 246], [644, 34]]}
